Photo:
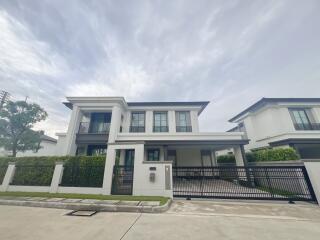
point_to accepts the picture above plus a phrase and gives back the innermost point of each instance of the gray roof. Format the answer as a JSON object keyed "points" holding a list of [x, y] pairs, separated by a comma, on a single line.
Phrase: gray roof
{"points": [[47, 138], [264, 101], [201, 104]]}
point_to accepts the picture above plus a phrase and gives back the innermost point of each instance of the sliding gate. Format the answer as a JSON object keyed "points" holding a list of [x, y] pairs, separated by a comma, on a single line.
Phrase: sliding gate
{"points": [[289, 183]]}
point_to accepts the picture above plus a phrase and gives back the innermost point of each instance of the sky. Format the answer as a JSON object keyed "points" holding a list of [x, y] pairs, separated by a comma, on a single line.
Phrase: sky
{"points": [[231, 53]]}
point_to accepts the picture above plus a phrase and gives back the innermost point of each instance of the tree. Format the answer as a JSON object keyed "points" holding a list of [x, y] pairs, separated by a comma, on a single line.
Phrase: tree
{"points": [[16, 122]]}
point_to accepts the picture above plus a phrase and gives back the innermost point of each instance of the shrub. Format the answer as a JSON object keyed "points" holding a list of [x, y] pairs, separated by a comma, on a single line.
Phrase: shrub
{"points": [[229, 158], [278, 154], [41, 170]]}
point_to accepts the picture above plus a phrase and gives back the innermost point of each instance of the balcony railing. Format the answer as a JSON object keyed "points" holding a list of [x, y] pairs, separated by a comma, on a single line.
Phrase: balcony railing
{"points": [[137, 129], [310, 126], [183, 128], [160, 129], [99, 128]]}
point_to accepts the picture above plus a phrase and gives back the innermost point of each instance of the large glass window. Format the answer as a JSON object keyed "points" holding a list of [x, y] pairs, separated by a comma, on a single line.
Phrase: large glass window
{"points": [[300, 119], [96, 150], [100, 122], [153, 154], [137, 122], [160, 123], [183, 122]]}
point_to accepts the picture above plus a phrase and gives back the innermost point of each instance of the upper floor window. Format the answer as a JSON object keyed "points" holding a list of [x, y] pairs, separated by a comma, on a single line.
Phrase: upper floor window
{"points": [[160, 122], [303, 119], [137, 122], [183, 122], [96, 122]]}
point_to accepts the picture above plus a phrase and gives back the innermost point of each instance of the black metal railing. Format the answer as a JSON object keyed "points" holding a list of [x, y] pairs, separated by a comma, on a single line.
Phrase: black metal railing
{"points": [[33, 175], [230, 182], [308, 126], [160, 129], [137, 129], [122, 180], [3, 170], [82, 176], [85, 127], [183, 128]]}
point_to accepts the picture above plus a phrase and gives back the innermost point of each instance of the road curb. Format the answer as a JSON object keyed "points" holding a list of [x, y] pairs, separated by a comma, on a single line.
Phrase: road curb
{"points": [[85, 206]]}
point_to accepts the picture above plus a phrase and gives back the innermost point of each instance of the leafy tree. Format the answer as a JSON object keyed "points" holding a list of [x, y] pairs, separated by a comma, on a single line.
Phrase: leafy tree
{"points": [[16, 121]]}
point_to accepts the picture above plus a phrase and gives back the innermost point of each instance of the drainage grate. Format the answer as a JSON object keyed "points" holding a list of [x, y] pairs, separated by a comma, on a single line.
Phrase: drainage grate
{"points": [[82, 213]]}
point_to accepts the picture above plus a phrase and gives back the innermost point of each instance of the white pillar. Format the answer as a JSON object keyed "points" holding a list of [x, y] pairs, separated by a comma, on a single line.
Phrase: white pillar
{"points": [[313, 169], [238, 156], [172, 121], [137, 170], [115, 124], [8, 177], [149, 121], [108, 170], [57, 177], [194, 120], [72, 131]]}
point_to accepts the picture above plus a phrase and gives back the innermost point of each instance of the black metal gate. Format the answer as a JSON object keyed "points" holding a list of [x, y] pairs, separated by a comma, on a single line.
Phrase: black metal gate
{"points": [[122, 180], [289, 183]]}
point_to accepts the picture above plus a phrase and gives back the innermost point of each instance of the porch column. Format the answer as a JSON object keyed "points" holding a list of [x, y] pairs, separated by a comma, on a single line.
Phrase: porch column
{"points": [[239, 156], [73, 128], [214, 158], [115, 124], [108, 170]]}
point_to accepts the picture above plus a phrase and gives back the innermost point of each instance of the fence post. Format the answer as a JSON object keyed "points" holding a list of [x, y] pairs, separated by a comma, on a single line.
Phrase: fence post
{"points": [[57, 177], [313, 170], [8, 177]]}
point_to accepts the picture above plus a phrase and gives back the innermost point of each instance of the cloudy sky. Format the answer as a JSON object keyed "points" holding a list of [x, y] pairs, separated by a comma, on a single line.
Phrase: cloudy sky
{"points": [[229, 52]]}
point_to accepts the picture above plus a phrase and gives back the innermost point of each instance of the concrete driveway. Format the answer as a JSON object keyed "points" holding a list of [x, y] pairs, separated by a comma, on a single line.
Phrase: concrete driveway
{"points": [[185, 220]]}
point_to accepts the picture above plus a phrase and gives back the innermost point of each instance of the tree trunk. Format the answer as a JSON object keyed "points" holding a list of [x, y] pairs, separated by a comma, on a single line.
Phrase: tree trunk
{"points": [[14, 149]]}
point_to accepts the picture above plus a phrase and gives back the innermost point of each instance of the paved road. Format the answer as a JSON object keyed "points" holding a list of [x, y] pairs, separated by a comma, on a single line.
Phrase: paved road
{"points": [[185, 220]]}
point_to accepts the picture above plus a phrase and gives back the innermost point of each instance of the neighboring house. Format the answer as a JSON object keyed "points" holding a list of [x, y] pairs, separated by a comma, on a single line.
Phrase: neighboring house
{"points": [[146, 135], [47, 148], [282, 122]]}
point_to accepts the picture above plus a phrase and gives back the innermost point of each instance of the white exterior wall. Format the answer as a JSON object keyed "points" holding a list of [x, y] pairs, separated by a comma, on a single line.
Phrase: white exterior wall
{"points": [[48, 148], [61, 145]]}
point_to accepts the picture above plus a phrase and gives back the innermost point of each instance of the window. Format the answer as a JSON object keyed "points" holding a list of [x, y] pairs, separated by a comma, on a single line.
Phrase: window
{"points": [[100, 122], [153, 154], [96, 150], [160, 122], [137, 122], [301, 119], [183, 122], [172, 156]]}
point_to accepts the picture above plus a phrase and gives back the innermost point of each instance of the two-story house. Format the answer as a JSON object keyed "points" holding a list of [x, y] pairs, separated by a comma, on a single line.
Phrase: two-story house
{"points": [[151, 136], [282, 122]]}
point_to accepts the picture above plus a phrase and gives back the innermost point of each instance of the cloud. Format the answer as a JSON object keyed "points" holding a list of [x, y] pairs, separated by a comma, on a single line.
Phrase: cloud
{"points": [[229, 52]]}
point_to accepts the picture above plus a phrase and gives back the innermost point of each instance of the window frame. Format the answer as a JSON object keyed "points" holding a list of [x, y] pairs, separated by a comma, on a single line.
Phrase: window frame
{"points": [[138, 128], [183, 128], [153, 150], [301, 125], [161, 128]]}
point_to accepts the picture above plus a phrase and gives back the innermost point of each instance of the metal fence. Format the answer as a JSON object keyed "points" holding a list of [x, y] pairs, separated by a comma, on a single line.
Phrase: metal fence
{"points": [[122, 180], [3, 170], [33, 175], [270, 183], [82, 176]]}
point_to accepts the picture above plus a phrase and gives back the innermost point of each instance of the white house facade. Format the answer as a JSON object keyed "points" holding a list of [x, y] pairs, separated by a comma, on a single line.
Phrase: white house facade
{"points": [[282, 122], [149, 136]]}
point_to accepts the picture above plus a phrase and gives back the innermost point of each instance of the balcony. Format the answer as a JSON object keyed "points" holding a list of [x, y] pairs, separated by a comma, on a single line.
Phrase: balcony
{"points": [[100, 128], [160, 129], [307, 127], [183, 129], [96, 134], [137, 129]]}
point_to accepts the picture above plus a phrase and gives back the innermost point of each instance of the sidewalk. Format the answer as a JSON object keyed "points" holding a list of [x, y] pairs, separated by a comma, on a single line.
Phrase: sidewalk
{"points": [[87, 204]]}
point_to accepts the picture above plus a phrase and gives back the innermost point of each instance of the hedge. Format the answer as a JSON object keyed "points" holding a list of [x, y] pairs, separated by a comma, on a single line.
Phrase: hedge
{"points": [[279, 154], [39, 170]]}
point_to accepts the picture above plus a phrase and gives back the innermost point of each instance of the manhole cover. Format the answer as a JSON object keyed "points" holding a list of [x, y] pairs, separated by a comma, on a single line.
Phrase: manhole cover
{"points": [[82, 213]]}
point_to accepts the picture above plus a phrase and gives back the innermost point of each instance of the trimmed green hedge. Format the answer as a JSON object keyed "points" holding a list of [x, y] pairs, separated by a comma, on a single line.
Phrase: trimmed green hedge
{"points": [[279, 154], [41, 172]]}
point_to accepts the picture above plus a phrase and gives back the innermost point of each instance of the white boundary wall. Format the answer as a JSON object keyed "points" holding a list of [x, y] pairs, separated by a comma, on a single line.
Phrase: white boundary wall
{"points": [[313, 169]]}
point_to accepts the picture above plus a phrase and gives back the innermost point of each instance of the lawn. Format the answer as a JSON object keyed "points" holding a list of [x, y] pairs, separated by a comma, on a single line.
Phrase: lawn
{"points": [[162, 200]]}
